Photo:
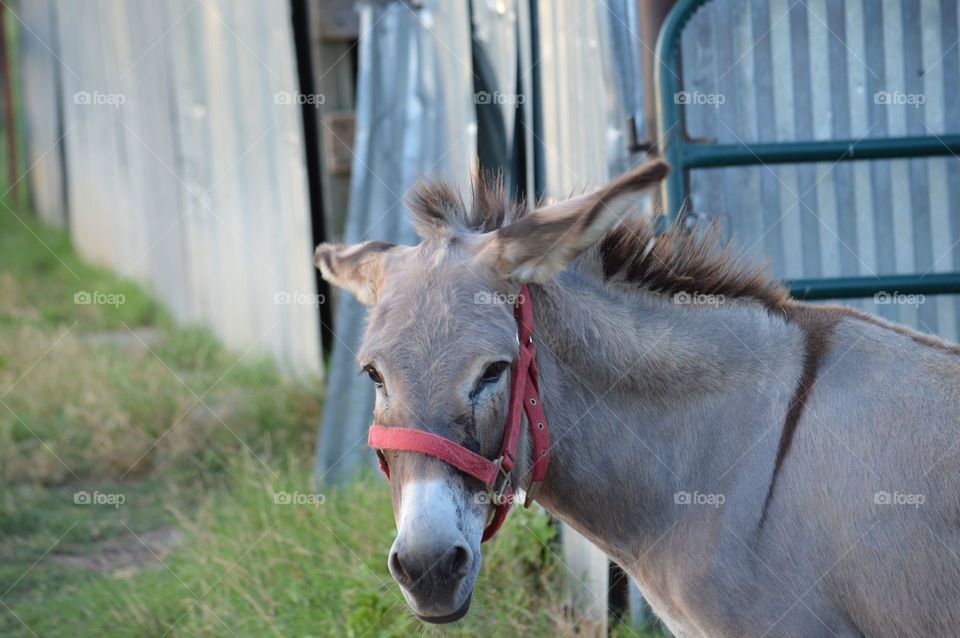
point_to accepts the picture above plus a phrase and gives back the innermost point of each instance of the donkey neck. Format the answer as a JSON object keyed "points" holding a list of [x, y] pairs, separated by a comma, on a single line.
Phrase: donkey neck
{"points": [[650, 398]]}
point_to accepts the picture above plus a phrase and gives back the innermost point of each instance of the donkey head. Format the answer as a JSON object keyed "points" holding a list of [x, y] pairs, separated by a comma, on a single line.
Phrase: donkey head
{"points": [[439, 344]]}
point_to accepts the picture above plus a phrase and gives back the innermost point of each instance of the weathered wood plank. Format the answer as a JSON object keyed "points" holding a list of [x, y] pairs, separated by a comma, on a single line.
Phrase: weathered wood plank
{"points": [[338, 145], [336, 21]]}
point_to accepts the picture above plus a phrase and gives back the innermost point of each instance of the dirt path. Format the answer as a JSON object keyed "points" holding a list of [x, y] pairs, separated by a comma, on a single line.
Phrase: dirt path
{"points": [[126, 555]]}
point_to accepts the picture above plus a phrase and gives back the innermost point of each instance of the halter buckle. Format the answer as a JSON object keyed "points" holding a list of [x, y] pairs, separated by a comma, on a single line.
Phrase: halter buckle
{"points": [[497, 490]]}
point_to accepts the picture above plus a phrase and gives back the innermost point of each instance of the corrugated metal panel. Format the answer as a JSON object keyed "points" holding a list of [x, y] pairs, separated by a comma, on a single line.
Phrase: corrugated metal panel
{"points": [[773, 70], [415, 118], [185, 161], [495, 26], [619, 29]]}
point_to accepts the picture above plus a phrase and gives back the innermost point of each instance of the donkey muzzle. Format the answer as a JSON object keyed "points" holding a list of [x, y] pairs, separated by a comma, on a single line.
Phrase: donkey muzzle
{"points": [[432, 574]]}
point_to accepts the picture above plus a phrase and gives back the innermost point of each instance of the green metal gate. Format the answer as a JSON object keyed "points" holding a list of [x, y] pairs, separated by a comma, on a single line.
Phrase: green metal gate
{"points": [[684, 155]]}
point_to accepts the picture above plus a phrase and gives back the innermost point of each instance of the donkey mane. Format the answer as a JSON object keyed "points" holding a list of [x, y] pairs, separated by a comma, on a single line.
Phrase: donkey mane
{"points": [[635, 252]]}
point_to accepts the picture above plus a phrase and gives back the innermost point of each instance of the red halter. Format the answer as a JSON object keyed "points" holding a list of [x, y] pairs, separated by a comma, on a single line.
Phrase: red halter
{"points": [[495, 475]]}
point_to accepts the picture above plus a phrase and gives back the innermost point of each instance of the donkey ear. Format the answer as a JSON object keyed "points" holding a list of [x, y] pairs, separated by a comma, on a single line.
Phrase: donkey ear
{"points": [[358, 268], [542, 243]]}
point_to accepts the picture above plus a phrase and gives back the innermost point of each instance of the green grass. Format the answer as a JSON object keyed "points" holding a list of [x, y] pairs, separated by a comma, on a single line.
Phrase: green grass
{"points": [[40, 273], [165, 399], [196, 440], [252, 567]]}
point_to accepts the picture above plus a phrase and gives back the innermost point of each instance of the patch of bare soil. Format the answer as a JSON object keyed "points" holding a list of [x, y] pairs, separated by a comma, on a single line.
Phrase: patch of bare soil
{"points": [[124, 556]]}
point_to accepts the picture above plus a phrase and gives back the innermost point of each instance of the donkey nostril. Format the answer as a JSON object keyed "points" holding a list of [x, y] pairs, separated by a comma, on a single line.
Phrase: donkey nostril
{"points": [[410, 568], [460, 561], [398, 569]]}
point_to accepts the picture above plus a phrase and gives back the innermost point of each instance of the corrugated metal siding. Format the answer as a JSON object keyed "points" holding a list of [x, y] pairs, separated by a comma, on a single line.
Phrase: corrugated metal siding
{"points": [[832, 70], [185, 161], [415, 118]]}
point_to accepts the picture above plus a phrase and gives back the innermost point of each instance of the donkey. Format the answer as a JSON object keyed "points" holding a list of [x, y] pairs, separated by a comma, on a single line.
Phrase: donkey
{"points": [[760, 466]]}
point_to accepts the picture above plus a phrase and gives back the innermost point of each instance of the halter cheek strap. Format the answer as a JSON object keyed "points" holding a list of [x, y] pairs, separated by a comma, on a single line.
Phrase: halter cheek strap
{"points": [[494, 474]]}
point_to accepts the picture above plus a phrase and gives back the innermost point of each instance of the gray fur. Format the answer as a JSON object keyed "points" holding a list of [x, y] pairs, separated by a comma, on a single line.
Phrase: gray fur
{"points": [[649, 400]]}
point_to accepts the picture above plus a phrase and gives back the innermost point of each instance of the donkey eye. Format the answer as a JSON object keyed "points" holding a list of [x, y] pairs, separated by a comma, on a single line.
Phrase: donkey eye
{"points": [[374, 375], [492, 373]]}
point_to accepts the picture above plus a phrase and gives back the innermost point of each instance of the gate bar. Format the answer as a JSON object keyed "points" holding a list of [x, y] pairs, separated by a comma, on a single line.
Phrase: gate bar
{"points": [[859, 287], [684, 154], [717, 155]]}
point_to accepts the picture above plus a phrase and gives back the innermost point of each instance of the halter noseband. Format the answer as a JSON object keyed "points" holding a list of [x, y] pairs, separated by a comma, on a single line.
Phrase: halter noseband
{"points": [[496, 474]]}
